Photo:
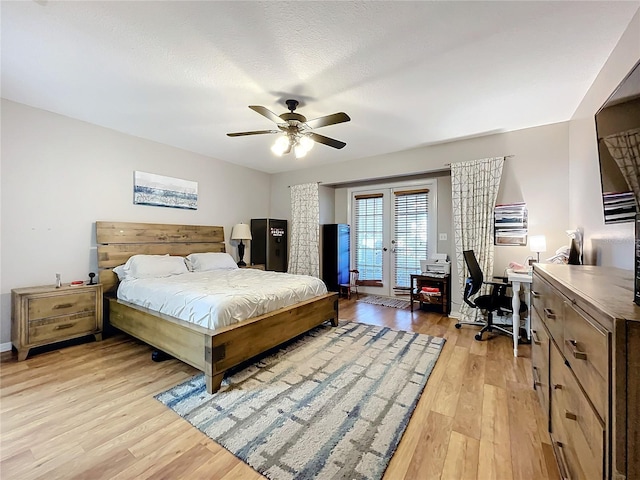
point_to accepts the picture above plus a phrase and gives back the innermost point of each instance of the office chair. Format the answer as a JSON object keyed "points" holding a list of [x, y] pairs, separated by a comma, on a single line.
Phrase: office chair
{"points": [[496, 301]]}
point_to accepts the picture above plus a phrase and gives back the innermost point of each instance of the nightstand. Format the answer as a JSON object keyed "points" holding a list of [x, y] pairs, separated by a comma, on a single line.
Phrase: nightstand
{"points": [[45, 315], [259, 266], [440, 301]]}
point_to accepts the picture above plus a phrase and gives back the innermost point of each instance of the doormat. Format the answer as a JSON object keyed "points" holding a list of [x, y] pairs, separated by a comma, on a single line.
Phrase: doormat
{"points": [[385, 301]]}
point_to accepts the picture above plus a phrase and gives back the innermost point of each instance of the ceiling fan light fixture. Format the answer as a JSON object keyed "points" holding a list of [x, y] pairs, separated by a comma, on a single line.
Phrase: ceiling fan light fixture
{"points": [[298, 135], [307, 143], [280, 146], [300, 151]]}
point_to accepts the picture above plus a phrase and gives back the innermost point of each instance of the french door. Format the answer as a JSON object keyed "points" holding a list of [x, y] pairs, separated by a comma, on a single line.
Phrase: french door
{"points": [[393, 228]]}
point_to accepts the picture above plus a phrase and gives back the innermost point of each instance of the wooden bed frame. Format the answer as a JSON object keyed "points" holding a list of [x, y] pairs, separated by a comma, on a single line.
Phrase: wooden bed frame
{"points": [[211, 351]]}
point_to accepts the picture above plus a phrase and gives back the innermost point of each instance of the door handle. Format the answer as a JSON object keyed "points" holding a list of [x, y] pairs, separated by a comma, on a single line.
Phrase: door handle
{"points": [[384, 249]]}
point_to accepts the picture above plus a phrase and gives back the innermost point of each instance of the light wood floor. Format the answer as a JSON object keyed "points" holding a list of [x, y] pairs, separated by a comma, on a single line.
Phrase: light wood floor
{"points": [[88, 411]]}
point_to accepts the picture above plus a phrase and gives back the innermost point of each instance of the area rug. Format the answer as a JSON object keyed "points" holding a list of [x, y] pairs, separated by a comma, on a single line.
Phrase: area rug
{"points": [[332, 404], [385, 301]]}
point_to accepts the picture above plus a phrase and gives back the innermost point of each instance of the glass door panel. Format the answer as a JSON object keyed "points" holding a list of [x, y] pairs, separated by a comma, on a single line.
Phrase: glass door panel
{"points": [[392, 230]]}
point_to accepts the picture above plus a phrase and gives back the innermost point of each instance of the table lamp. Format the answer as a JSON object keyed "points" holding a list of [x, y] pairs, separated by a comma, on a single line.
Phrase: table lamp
{"points": [[241, 231], [538, 243]]}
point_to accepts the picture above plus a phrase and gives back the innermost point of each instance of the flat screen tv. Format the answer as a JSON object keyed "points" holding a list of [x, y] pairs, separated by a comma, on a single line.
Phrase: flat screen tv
{"points": [[618, 131]]}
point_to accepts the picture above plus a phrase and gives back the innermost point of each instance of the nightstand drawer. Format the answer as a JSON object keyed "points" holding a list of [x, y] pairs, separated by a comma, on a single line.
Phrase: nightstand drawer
{"points": [[54, 305], [55, 328]]}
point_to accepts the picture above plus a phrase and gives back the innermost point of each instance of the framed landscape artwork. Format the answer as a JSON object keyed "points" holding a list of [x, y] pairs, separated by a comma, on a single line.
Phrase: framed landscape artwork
{"points": [[158, 190]]}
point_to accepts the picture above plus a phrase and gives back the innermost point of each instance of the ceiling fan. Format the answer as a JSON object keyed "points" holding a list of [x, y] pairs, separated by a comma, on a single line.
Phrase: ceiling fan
{"points": [[296, 130]]}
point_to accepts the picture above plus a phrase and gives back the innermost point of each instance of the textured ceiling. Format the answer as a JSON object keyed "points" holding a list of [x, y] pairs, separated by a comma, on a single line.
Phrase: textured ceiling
{"points": [[407, 73]]}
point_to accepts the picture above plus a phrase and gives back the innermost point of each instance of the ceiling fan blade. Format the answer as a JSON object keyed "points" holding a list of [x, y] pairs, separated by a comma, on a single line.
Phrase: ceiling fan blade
{"points": [[256, 132], [332, 142], [267, 113], [328, 120]]}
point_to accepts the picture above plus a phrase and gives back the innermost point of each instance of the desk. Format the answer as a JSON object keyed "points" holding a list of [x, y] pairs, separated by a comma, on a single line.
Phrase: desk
{"points": [[516, 280]]}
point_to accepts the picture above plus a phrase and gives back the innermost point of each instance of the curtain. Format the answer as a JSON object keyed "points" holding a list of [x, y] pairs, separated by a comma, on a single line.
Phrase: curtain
{"points": [[304, 257], [474, 188], [625, 150]]}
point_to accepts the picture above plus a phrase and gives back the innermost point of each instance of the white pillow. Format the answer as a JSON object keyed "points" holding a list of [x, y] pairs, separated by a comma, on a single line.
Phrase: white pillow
{"points": [[121, 272], [151, 266], [203, 262]]}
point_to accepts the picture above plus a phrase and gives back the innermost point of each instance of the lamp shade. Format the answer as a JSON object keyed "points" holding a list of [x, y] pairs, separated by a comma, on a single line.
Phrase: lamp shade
{"points": [[241, 231], [538, 243]]}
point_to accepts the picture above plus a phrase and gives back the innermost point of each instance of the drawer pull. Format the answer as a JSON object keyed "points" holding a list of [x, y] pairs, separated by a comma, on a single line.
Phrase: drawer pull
{"points": [[549, 313], [573, 347], [570, 416], [557, 386], [562, 462], [535, 294], [63, 305], [536, 340], [63, 326], [536, 378]]}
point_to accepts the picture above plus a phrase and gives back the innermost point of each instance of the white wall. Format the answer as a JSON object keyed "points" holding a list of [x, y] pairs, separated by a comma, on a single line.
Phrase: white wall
{"points": [[536, 174], [610, 245], [60, 175]]}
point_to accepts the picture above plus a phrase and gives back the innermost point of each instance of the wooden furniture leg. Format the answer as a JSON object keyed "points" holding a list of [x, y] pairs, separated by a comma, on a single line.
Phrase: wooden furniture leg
{"points": [[213, 382]]}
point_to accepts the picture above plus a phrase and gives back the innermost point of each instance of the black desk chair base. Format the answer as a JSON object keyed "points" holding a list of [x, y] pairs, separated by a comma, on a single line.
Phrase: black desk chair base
{"points": [[489, 327]]}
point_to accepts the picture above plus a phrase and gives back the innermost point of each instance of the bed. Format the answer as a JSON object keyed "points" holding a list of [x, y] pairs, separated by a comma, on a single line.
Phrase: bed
{"points": [[211, 350]]}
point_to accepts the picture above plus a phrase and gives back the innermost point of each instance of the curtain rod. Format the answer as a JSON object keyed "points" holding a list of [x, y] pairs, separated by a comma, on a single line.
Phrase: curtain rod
{"points": [[505, 157], [289, 186]]}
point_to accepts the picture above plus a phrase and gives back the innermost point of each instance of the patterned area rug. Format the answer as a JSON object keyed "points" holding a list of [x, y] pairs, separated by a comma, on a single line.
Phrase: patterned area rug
{"points": [[333, 404], [385, 301]]}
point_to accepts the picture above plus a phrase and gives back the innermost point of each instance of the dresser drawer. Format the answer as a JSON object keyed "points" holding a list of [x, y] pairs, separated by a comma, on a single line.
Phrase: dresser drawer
{"points": [[63, 304], [586, 347], [575, 424], [548, 304], [540, 362], [51, 329]]}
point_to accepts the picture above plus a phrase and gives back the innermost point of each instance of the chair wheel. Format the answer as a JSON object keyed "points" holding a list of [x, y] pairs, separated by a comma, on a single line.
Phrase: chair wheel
{"points": [[458, 325], [478, 337]]}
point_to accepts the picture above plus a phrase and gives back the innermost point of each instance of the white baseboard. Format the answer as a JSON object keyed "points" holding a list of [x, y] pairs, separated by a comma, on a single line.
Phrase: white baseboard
{"points": [[5, 347], [455, 315]]}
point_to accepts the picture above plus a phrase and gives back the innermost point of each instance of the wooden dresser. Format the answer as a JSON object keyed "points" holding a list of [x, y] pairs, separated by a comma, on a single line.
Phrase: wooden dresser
{"points": [[44, 315], [586, 368]]}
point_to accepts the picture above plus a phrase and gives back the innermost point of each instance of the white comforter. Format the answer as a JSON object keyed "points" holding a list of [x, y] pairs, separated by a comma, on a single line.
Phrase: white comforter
{"points": [[221, 297]]}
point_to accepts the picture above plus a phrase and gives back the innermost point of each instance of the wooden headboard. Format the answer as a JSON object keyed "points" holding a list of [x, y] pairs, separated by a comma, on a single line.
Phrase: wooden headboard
{"points": [[118, 241]]}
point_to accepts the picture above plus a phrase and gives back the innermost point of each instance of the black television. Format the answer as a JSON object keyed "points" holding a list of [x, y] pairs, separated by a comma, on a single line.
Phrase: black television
{"points": [[618, 132]]}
